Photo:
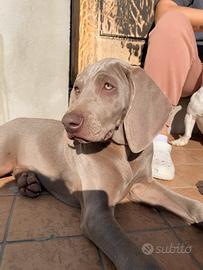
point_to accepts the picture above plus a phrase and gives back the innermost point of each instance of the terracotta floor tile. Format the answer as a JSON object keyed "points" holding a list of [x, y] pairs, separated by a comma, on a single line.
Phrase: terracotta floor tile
{"points": [[163, 244], [60, 254], [173, 219], [194, 238], [5, 206], [43, 217], [186, 176], [195, 142], [8, 186], [134, 216], [181, 155]]}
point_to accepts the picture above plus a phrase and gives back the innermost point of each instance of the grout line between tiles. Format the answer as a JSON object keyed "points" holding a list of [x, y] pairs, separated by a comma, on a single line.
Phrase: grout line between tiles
{"points": [[3, 245], [188, 164], [7, 195], [19, 195], [186, 148], [42, 239], [54, 237]]}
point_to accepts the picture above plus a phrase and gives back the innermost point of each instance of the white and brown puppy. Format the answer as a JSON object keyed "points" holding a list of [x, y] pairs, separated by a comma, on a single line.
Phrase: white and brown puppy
{"points": [[194, 115]]}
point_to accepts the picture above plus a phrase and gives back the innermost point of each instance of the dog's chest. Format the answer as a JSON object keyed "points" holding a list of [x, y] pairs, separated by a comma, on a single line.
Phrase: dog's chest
{"points": [[141, 164]]}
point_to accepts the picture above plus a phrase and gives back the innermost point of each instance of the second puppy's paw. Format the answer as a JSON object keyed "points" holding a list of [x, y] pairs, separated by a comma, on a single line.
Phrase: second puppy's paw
{"points": [[181, 141]]}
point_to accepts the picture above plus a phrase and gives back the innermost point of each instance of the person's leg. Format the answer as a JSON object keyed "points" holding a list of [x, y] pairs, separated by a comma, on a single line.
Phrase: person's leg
{"points": [[172, 59], [172, 62]]}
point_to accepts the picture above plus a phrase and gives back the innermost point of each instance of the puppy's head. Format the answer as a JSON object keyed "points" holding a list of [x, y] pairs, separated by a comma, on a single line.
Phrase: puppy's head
{"points": [[112, 100], [98, 103]]}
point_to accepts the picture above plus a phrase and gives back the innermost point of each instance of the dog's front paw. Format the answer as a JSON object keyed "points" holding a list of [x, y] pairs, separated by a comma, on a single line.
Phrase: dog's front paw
{"points": [[181, 141], [28, 184]]}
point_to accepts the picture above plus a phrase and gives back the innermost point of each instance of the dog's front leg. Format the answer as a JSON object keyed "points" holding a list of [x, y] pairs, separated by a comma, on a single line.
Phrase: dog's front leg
{"points": [[100, 226], [189, 125], [156, 194]]}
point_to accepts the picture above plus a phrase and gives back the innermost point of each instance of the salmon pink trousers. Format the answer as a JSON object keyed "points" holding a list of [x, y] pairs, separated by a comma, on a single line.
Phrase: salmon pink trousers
{"points": [[172, 59]]}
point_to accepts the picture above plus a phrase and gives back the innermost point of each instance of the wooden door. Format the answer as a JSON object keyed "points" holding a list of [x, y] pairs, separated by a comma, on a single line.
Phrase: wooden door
{"points": [[109, 28]]}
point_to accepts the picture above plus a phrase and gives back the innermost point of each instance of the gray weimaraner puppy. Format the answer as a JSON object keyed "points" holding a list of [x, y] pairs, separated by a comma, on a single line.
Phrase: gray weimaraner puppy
{"points": [[103, 155]]}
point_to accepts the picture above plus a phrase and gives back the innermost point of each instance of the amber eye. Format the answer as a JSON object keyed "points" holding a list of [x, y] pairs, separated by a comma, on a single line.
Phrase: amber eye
{"points": [[76, 90], [108, 86]]}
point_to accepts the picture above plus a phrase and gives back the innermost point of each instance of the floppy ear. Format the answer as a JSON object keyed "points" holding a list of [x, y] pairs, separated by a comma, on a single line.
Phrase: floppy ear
{"points": [[148, 111]]}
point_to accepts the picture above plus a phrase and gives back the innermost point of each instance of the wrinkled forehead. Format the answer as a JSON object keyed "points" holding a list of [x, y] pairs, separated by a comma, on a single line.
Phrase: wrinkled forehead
{"points": [[109, 67]]}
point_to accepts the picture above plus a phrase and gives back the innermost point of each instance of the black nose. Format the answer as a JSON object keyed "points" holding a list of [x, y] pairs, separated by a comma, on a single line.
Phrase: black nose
{"points": [[72, 121]]}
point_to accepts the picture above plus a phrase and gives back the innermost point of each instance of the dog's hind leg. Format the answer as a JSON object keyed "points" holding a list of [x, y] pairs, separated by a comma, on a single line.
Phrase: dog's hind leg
{"points": [[6, 167], [157, 195], [7, 156], [7, 160]]}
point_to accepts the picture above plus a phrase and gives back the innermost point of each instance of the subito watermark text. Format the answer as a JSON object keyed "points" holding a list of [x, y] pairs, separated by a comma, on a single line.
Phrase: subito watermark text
{"points": [[149, 249]]}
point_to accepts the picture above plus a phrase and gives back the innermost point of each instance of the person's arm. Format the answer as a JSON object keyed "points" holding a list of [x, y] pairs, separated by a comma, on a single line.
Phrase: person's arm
{"points": [[194, 15]]}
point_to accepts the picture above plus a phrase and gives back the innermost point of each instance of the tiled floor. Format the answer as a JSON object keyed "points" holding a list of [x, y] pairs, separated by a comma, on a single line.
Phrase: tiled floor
{"points": [[44, 234]]}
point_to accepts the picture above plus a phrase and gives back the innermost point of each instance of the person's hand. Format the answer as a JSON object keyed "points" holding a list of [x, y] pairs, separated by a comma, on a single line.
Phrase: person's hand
{"points": [[194, 15], [162, 7]]}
